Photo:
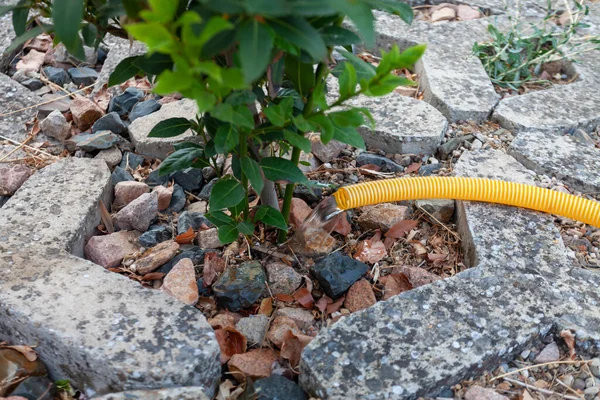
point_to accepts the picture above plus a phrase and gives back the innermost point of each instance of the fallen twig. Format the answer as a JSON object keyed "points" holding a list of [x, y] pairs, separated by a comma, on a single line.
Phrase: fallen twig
{"points": [[540, 365], [544, 391]]}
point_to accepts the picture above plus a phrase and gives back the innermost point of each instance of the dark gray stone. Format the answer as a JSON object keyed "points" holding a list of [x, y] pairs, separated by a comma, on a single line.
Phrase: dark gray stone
{"points": [[310, 196], [196, 254], [429, 169], [205, 192], [447, 148], [177, 200], [110, 122], [386, 164], [102, 54], [57, 75], [192, 220], [276, 387], [132, 160], [60, 103], [83, 75], [190, 179], [98, 141], [240, 285], [35, 387], [155, 179], [144, 108], [154, 235], [123, 103], [337, 272], [120, 175], [203, 290], [33, 84], [3, 200]]}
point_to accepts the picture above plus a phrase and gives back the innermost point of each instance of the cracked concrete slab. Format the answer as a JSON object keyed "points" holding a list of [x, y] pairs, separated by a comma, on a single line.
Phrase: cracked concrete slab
{"points": [[98, 329], [431, 337], [452, 79], [559, 155]]}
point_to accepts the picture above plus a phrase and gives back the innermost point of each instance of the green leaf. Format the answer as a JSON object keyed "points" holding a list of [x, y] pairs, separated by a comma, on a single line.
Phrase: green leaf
{"points": [[246, 228], [350, 117], [225, 6], [279, 113], [163, 10], [302, 124], [214, 27], [387, 84], [226, 193], [181, 159], [124, 71], [238, 115], [327, 128], [7, 9], [219, 218], [173, 81], [300, 33], [268, 8], [280, 169], [311, 8], [256, 43], [363, 69], [348, 135], [170, 127], [403, 10], [90, 34], [241, 97], [153, 64], [360, 13], [228, 233], [155, 35], [252, 171], [297, 140], [227, 138], [270, 216], [338, 36], [67, 16], [19, 17], [347, 81], [301, 74], [20, 40], [186, 145]]}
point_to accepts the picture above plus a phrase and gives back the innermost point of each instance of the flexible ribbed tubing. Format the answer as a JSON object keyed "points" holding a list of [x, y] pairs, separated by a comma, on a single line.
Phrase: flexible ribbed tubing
{"points": [[474, 189]]}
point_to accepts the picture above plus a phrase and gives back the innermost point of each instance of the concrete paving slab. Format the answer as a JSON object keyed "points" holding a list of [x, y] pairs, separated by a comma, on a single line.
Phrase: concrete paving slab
{"points": [[403, 125], [559, 155], [431, 337], [161, 147], [102, 331], [119, 49], [189, 393]]}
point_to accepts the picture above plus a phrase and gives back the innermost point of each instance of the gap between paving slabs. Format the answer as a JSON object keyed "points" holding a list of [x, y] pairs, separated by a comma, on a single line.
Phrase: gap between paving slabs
{"points": [[98, 329], [522, 286]]}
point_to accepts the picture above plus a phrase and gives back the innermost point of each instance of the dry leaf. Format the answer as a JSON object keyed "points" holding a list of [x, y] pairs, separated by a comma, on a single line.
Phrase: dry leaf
{"points": [[207, 304], [286, 298], [527, 395], [414, 167], [292, 347], [395, 284], [436, 257], [106, 219], [417, 276], [569, 339], [335, 306], [304, 297], [400, 229], [153, 276], [223, 320], [231, 342], [213, 266], [27, 351], [420, 250], [322, 304], [279, 327], [371, 167], [186, 238], [266, 307], [371, 250]]}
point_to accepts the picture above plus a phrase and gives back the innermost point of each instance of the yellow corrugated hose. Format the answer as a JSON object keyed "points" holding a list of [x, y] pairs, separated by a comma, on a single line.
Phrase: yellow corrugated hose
{"points": [[474, 189]]}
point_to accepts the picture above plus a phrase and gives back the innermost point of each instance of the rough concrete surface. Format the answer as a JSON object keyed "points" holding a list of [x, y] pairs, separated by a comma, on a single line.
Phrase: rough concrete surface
{"points": [[431, 337], [402, 124], [559, 155], [101, 330], [161, 147], [185, 393]]}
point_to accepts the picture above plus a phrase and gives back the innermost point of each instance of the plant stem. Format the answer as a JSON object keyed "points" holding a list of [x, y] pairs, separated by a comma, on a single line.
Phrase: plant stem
{"points": [[244, 152], [289, 189]]}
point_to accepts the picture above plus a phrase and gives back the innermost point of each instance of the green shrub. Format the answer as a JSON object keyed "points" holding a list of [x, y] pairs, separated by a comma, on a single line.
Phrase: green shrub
{"points": [[257, 71]]}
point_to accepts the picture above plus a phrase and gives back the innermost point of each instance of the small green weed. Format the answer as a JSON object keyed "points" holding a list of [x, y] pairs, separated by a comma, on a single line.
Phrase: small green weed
{"points": [[517, 57]]}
